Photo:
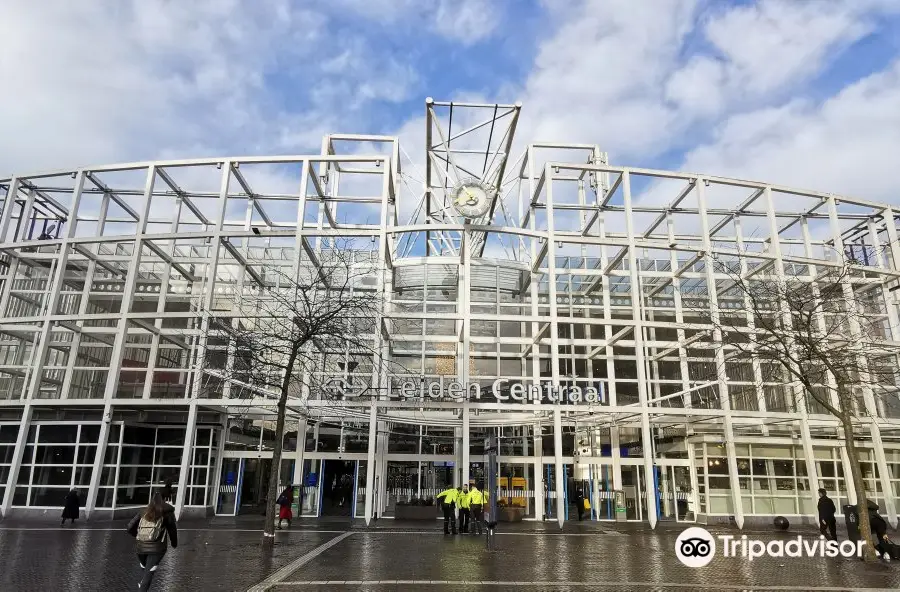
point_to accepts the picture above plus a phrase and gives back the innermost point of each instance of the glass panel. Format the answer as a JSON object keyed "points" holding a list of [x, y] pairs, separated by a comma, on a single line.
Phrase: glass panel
{"points": [[61, 434], [90, 434], [83, 476], [105, 497], [228, 484], [52, 476], [86, 454], [49, 496], [54, 455], [311, 484]]}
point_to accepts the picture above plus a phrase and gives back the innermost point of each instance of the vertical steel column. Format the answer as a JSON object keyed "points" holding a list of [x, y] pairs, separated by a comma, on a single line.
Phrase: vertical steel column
{"points": [[884, 475], [638, 316], [297, 477], [465, 327], [466, 448], [559, 478], [217, 474], [18, 453], [538, 468], [184, 472], [9, 204], [751, 325], [724, 398], [554, 349], [370, 462], [799, 393], [379, 373]]}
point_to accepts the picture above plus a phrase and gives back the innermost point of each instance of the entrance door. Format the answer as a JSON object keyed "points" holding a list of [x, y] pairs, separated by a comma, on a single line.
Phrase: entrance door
{"points": [[338, 485], [599, 490], [229, 487], [569, 487], [674, 492], [633, 485], [254, 482]]}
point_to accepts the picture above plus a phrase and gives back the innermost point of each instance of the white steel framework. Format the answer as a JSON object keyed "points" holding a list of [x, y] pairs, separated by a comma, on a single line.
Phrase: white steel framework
{"points": [[581, 274]]}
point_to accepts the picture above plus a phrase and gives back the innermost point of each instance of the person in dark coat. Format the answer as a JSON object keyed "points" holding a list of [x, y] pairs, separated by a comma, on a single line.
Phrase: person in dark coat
{"points": [[152, 528], [579, 504], [879, 533], [168, 494], [71, 508], [827, 523], [284, 502]]}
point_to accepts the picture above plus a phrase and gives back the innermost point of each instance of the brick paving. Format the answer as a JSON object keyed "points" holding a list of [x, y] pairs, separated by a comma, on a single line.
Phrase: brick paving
{"points": [[100, 557], [227, 554]]}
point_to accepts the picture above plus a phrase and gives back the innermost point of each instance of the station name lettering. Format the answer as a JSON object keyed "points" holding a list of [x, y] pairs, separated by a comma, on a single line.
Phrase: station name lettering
{"points": [[502, 389]]}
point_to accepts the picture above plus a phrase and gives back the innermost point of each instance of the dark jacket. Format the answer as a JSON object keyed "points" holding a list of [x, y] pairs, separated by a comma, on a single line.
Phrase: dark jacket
{"points": [[72, 506], [826, 508], [878, 525], [170, 532]]}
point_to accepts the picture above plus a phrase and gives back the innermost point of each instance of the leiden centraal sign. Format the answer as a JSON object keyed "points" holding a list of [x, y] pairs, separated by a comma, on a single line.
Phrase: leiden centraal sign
{"points": [[502, 389]]}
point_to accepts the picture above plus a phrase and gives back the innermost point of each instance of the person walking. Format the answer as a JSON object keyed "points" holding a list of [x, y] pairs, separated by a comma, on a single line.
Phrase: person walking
{"points": [[284, 506], [879, 533], [827, 523], [448, 504], [579, 504], [152, 528], [168, 494], [71, 507], [477, 499], [464, 512]]}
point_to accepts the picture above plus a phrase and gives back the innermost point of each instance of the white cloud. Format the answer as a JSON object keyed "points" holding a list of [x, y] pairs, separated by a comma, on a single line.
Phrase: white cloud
{"points": [[465, 21], [598, 78], [848, 144], [775, 43]]}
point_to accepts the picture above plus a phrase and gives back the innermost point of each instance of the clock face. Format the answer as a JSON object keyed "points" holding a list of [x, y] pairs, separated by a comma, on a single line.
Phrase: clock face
{"points": [[471, 199]]}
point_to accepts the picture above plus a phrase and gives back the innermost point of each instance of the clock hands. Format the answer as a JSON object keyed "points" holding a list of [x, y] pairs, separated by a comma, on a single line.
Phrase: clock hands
{"points": [[472, 201]]}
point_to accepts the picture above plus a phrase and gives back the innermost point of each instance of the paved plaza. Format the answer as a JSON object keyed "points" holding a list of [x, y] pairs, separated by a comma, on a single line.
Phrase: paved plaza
{"points": [[227, 554]]}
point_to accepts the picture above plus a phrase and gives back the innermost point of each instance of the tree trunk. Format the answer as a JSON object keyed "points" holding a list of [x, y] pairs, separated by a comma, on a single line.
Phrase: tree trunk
{"points": [[865, 527], [272, 494]]}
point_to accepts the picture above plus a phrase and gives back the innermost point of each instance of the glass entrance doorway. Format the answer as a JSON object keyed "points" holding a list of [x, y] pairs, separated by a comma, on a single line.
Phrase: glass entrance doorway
{"points": [[229, 487], [673, 492], [596, 486], [634, 487], [338, 487], [254, 485]]}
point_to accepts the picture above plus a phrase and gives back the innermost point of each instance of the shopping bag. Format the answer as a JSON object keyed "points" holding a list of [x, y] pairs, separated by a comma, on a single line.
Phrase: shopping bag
{"points": [[587, 504]]}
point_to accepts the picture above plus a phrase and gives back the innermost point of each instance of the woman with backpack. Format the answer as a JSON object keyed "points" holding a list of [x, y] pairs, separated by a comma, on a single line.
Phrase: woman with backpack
{"points": [[284, 502], [152, 528]]}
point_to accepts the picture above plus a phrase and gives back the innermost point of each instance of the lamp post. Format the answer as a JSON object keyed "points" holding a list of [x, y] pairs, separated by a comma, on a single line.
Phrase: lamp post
{"points": [[491, 448]]}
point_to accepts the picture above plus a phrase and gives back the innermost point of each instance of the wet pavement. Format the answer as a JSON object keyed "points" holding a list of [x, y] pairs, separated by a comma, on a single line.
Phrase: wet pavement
{"points": [[228, 554]]}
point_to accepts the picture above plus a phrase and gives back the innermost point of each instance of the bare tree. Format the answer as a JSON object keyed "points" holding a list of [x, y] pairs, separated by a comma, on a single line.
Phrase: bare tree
{"points": [[290, 333], [825, 337]]}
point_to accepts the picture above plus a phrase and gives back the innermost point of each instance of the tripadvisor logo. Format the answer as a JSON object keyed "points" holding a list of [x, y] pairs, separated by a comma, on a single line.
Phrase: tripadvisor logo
{"points": [[696, 547]]}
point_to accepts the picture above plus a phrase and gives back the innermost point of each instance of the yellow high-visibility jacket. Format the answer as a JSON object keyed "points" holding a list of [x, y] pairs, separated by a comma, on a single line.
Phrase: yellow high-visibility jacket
{"points": [[463, 501], [450, 495], [477, 497]]}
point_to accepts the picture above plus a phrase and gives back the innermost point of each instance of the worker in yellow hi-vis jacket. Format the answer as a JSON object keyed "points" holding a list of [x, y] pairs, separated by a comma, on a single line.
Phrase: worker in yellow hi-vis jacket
{"points": [[477, 500], [448, 499], [463, 504]]}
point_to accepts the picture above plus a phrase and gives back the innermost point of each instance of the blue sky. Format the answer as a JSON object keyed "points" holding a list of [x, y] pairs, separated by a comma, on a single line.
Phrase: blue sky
{"points": [[794, 92]]}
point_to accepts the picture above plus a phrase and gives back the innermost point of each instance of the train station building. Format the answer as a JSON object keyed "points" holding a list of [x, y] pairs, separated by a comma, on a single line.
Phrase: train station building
{"points": [[529, 290]]}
